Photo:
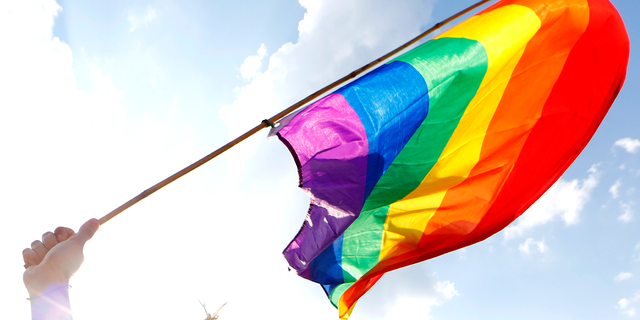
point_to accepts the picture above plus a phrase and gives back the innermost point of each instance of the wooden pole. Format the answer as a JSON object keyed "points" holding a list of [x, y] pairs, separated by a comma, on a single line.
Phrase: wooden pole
{"points": [[285, 112]]}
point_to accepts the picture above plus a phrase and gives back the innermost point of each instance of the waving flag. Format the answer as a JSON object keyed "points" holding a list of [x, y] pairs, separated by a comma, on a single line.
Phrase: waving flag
{"points": [[452, 141]]}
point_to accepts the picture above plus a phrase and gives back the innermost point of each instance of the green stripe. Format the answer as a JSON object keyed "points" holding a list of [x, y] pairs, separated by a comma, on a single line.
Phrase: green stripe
{"points": [[453, 69], [337, 292]]}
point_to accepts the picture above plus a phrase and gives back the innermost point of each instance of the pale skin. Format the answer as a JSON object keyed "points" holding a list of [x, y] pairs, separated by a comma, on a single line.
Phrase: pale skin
{"points": [[52, 261]]}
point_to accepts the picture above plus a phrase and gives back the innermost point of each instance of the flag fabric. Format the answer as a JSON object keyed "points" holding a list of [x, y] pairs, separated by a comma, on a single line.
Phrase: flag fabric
{"points": [[450, 142]]}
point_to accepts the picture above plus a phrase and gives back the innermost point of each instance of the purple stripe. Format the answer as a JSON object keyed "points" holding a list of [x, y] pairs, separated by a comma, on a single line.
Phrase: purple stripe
{"points": [[329, 144]]}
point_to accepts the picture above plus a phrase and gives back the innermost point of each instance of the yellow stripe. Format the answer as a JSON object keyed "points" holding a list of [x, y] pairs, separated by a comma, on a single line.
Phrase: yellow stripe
{"points": [[345, 312], [504, 33]]}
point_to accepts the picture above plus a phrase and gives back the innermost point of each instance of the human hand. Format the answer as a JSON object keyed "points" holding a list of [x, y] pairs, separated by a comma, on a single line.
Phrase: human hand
{"points": [[56, 258]]}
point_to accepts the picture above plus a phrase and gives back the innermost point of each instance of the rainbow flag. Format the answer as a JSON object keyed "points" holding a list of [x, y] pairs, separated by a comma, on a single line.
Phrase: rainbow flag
{"points": [[450, 142]]}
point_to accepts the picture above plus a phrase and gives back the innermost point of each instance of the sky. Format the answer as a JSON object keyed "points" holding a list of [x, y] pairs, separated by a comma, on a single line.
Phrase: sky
{"points": [[101, 100]]}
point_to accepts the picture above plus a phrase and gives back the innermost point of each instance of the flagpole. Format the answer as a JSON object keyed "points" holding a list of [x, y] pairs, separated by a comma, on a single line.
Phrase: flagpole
{"points": [[267, 122]]}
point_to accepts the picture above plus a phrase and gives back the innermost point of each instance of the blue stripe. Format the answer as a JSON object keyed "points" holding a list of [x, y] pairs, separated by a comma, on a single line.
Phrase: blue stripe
{"points": [[391, 101], [326, 268]]}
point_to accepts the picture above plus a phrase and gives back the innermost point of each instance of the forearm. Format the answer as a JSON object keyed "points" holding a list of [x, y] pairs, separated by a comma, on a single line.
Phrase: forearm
{"points": [[51, 303]]}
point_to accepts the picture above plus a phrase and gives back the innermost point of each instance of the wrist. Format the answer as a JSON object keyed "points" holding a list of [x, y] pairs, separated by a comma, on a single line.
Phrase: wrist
{"points": [[41, 291], [51, 304], [40, 280]]}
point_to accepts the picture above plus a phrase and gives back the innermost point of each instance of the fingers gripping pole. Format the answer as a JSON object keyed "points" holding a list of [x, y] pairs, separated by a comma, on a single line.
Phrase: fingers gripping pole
{"points": [[271, 122]]}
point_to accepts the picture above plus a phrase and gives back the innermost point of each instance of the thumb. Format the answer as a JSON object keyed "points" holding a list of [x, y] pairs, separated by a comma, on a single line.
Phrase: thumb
{"points": [[87, 230]]}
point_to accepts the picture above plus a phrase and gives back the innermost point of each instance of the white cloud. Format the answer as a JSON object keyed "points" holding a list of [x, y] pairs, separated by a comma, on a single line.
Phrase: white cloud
{"points": [[418, 308], [412, 308], [447, 289], [623, 276], [526, 246], [139, 20], [614, 189], [627, 210], [631, 145], [627, 305], [623, 303], [542, 247], [404, 295], [250, 69], [42, 109], [565, 199]]}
